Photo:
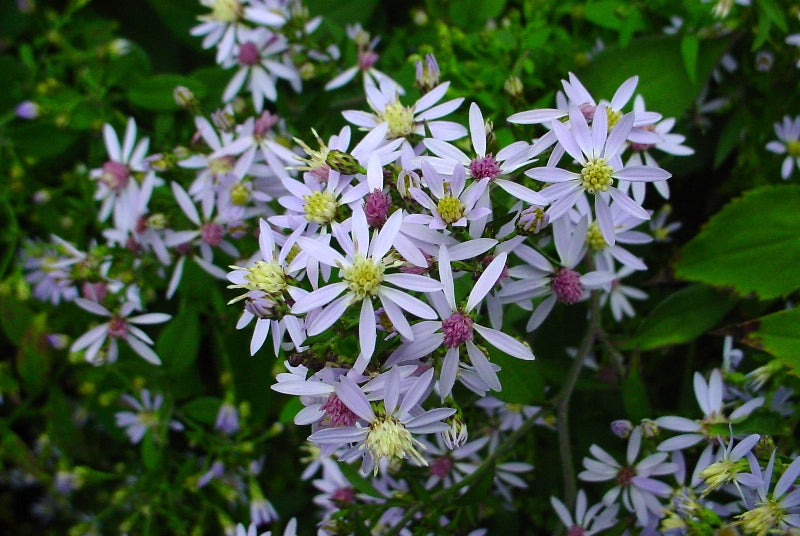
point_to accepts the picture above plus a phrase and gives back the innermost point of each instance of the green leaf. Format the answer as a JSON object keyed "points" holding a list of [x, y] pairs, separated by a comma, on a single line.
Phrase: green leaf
{"points": [[730, 136], [779, 335], [472, 14], [522, 381], [690, 46], [203, 409], [41, 140], [682, 317], [179, 342], [15, 316], [359, 482], [33, 356], [751, 245], [658, 62], [290, 409], [151, 453], [634, 394], [154, 93], [342, 13], [774, 13], [179, 16]]}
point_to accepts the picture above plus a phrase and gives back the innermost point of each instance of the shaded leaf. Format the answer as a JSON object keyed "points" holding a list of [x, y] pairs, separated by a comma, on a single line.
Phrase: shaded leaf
{"points": [[682, 317], [33, 356], [751, 245], [634, 394], [690, 46], [179, 342], [154, 93], [203, 409], [359, 482], [779, 335]]}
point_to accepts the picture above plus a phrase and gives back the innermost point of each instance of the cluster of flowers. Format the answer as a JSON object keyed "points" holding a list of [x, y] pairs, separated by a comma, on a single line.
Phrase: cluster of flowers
{"points": [[731, 484], [418, 244]]}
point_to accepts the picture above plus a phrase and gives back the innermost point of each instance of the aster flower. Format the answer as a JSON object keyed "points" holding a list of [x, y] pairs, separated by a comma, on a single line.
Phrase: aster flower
{"points": [[389, 428], [618, 296], [367, 57], [587, 521], [455, 203], [730, 464], [146, 416], [405, 121], [227, 420], [457, 329], [635, 486], [119, 326], [364, 275], [788, 143], [597, 151], [709, 397], [775, 510]]}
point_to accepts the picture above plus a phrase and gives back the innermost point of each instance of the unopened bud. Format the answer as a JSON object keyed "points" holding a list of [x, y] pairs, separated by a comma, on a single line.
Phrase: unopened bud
{"points": [[427, 74], [344, 163], [186, 99], [622, 428], [513, 86], [223, 120]]}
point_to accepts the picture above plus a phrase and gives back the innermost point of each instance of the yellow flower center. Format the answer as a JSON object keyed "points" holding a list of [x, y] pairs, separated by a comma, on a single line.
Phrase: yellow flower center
{"points": [[221, 166], [450, 209], [226, 10], [613, 117], [761, 519], [320, 207], [722, 472], [399, 118], [594, 237], [389, 438], [240, 194], [364, 277], [266, 276], [596, 175], [316, 158], [793, 148]]}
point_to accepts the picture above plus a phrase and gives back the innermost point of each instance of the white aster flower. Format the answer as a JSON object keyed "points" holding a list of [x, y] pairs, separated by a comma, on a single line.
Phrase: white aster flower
{"points": [[788, 143]]}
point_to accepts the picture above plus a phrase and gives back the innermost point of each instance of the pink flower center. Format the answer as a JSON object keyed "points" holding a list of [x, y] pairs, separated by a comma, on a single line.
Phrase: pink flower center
{"points": [[376, 208], [248, 54], [575, 530], [212, 233], [587, 110], [485, 168], [441, 467], [265, 122], [567, 286], [625, 476], [366, 59], [337, 413], [343, 495], [457, 330], [94, 291], [322, 172], [117, 327], [115, 175]]}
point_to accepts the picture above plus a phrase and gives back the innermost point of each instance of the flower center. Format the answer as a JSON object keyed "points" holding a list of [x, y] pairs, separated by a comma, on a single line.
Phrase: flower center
{"points": [[625, 476], [212, 233], [575, 530], [399, 118], [366, 59], [613, 117], [343, 495], [117, 327], [762, 518], [376, 208], [226, 10], [532, 220], [115, 175], [596, 175], [240, 194], [320, 207], [337, 413], [248, 54], [364, 277], [594, 237], [793, 148], [263, 124], [457, 330], [389, 438], [485, 168], [221, 165], [567, 286], [266, 276], [450, 209], [441, 467]]}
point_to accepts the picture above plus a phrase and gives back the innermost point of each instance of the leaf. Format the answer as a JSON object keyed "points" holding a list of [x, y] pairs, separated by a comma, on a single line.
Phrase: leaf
{"points": [[682, 317], [179, 342], [359, 482], [634, 394], [179, 16], [658, 62], [779, 335], [203, 409], [774, 13], [33, 356], [472, 14], [751, 245], [690, 46], [41, 140], [730, 136], [522, 381], [290, 409], [154, 93], [151, 453], [15, 316], [342, 13]]}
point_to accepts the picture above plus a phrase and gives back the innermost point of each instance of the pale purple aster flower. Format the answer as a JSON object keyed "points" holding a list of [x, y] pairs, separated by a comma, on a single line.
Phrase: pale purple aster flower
{"points": [[114, 178], [728, 466], [48, 268], [455, 202], [709, 397], [216, 470], [788, 143], [444, 461], [778, 510], [538, 277], [336, 490], [146, 416], [261, 511], [367, 57], [457, 329], [363, 270], [506, 476], [638, 491], [510, 415], [587, 521], [119, 326], [405, 121], [598, 153], [731, 357], [389, 425], [27, 110], [618, 296], [659, 227], [227, 420]]}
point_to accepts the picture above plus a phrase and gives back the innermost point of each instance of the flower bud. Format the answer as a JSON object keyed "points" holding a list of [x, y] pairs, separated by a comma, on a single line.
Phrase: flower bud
{"points": [[344, 163]]}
